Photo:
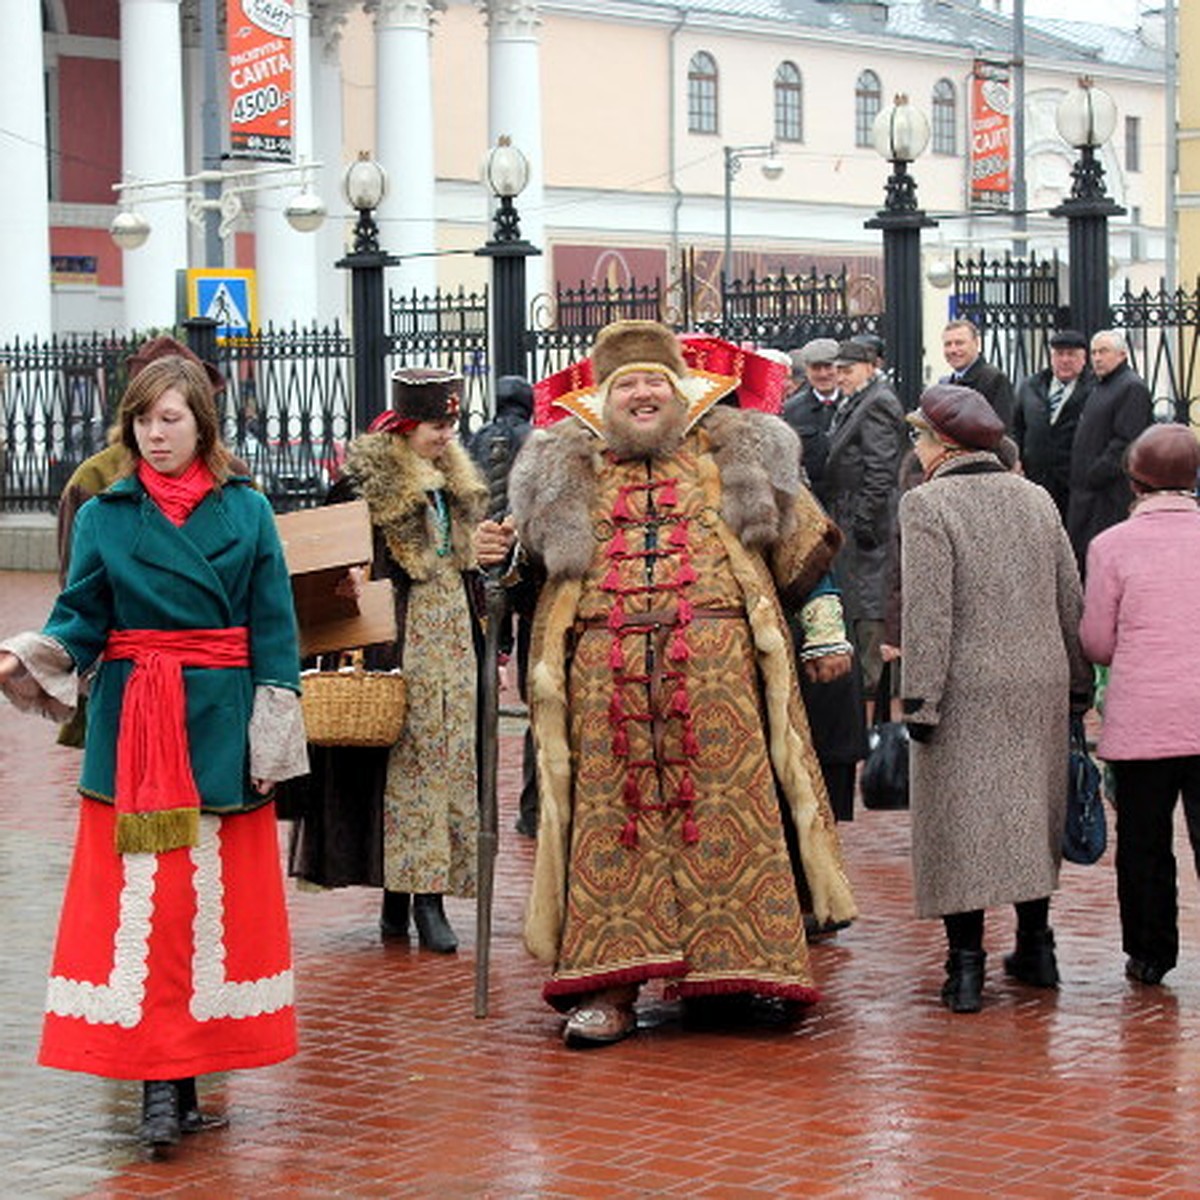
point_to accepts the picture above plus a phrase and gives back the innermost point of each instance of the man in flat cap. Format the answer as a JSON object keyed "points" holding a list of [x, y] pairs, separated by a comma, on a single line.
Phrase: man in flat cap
{"points": [[1048, 406], [809, 409], [672, 531]]}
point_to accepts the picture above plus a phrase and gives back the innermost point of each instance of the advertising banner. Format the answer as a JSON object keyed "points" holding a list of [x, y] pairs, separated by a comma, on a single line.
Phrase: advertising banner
{"points": [[259, 33], [991, 130]]}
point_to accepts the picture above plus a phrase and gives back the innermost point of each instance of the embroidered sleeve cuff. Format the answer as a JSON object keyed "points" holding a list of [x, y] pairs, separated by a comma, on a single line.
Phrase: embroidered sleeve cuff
{"points": [[823, 627], [278, 747], [47, 684]]}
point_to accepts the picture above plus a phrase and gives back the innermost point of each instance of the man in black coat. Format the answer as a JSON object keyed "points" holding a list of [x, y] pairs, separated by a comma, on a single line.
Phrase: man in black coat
{"points": [[493, 447], [1117, 411], [960, 348], [809, 409], [1048, 407]]}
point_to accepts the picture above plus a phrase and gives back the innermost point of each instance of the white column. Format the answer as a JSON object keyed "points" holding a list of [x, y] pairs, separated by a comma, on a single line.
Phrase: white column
{"points": [[515, 109], [404, 121], [25, 213], [332, 284], [152, 149], [286, 260]]}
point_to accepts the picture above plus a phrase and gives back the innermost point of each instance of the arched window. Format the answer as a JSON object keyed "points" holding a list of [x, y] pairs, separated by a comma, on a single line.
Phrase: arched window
{"points": [[702, 93], [945, 118], [789, 103], [868, 100]]}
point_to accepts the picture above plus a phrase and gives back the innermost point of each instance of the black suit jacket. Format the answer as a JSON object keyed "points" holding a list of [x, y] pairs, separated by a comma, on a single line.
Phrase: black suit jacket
{"points": [[991, 383]]}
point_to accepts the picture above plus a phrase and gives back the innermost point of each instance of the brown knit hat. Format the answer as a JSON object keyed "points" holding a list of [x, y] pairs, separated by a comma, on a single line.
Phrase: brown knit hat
{"points": [[633, 345], [959, 416], [164, 347], [1164, 458]]}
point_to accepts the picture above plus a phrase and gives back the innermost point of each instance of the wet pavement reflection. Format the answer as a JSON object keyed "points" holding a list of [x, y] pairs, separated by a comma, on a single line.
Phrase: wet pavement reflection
{"points": [[400, 1092]]}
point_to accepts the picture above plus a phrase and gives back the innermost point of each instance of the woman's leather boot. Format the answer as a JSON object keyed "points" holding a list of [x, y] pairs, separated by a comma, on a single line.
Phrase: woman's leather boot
{"points": [[1033, 961], [160, 1113], [433, 930], [191, 1118], [393, 919], [963, 990]]}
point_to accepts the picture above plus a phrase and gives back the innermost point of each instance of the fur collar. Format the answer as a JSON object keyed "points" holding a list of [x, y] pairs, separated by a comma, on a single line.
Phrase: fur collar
{"points": [[396, 484], [553, 484]]}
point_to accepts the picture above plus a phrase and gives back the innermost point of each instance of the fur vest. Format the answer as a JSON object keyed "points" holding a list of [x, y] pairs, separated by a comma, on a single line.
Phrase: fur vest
{"points": [[396, 484]]}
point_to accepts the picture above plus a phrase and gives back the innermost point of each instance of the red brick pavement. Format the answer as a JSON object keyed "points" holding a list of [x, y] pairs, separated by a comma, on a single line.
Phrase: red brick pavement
{"points": [[400, 1092]]}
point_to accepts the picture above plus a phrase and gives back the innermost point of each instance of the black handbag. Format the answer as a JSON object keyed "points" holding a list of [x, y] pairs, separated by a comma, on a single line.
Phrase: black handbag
{"points": [[1085, 834], [885, 773]]}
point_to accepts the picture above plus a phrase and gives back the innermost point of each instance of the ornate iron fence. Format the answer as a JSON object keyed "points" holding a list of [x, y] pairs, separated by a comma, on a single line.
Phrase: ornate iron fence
{"points": [[1163, 330], [285, 410], [1016, 304], [449, 330]]}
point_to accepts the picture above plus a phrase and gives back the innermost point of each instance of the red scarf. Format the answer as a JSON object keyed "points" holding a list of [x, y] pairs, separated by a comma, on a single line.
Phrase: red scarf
{"points": [[157, 802], [177, 495]]}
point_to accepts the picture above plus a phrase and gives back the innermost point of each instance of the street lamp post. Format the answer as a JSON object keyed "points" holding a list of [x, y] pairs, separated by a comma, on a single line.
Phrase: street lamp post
{"points": [[364, 186], [506, 173], [1086, 119], [772, 168], [899, 134]]}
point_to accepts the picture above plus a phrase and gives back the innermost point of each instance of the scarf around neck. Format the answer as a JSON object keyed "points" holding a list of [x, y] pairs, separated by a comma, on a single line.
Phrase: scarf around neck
{"points": [[177, 496]]}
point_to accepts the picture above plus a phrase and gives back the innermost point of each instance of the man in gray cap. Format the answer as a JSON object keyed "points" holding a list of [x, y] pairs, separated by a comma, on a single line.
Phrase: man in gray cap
{"points": [[1047, 410], [809, 410]]}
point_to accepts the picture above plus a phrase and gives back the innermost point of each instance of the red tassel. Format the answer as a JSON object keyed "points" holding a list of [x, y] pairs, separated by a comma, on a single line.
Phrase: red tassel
{"points": [[679, 535], [629, 835], [691, 744], [616, 618], [686, 573], [616, 655], [678, 651], [691, 831], [616, 710], [687, 788], [680, 705], [683, 612], [612, 580], [618, 545], [666, 494], [631, 789], [620, 743], [620, 510]]}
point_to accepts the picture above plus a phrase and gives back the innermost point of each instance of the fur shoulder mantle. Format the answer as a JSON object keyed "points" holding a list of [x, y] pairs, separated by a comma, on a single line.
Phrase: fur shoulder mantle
{"points": [[553, 484], [396, 484]]}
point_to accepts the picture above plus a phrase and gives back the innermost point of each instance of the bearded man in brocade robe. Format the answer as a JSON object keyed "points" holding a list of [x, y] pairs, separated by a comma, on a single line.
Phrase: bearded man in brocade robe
{"points": [[671, 740]]}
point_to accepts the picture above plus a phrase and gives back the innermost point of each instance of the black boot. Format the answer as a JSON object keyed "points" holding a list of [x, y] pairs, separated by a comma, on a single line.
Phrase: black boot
{"points": [[963, 990], [393, 920], [191, 1119], [160, 1113], [1033, 961], [433, 930]]}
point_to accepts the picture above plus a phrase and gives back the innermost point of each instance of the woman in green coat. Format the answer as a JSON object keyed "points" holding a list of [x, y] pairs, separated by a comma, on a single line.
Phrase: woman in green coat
{"points": [[173, 956]]}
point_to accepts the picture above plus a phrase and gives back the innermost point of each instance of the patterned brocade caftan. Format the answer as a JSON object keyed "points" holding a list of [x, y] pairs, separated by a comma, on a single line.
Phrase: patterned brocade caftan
{"points": [[678, 866]]}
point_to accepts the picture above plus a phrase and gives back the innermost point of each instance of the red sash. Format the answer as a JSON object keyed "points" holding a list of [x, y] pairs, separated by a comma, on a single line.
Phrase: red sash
{"points": [[157, 801]]}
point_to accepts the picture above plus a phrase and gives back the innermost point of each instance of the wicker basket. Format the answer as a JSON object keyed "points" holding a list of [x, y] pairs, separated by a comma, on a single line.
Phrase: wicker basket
{"points": [[353, 707]]}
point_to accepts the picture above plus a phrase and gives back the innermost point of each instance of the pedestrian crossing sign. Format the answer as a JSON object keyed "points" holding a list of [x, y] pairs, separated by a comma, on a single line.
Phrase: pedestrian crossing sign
{"points": [[227, 295]]}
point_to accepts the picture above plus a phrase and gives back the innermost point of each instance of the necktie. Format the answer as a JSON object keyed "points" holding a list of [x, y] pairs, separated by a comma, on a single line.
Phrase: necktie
{"points": [[1057, 392]]}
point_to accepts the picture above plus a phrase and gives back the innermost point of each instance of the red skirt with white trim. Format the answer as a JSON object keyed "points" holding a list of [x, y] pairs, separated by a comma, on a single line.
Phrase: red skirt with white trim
{"points": [[175, 964]]}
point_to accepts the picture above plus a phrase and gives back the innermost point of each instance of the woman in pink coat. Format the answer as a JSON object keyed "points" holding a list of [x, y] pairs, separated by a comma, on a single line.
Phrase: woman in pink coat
{"points": [[1143, 577]]}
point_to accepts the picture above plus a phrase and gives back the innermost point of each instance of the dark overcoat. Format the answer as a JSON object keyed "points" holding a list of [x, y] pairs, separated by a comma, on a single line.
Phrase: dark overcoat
{"points": [[132, 569], [1117, 410], [1045, 446], [860, 491], [992, 384]]}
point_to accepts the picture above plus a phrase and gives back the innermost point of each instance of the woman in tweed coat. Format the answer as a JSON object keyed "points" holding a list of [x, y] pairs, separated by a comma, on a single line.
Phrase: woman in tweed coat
{"points": [[991, 605]]}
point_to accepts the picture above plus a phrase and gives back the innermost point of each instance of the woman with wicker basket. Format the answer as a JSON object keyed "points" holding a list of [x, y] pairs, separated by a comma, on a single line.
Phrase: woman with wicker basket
{"points": [[405, 817], [173, 956]]}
